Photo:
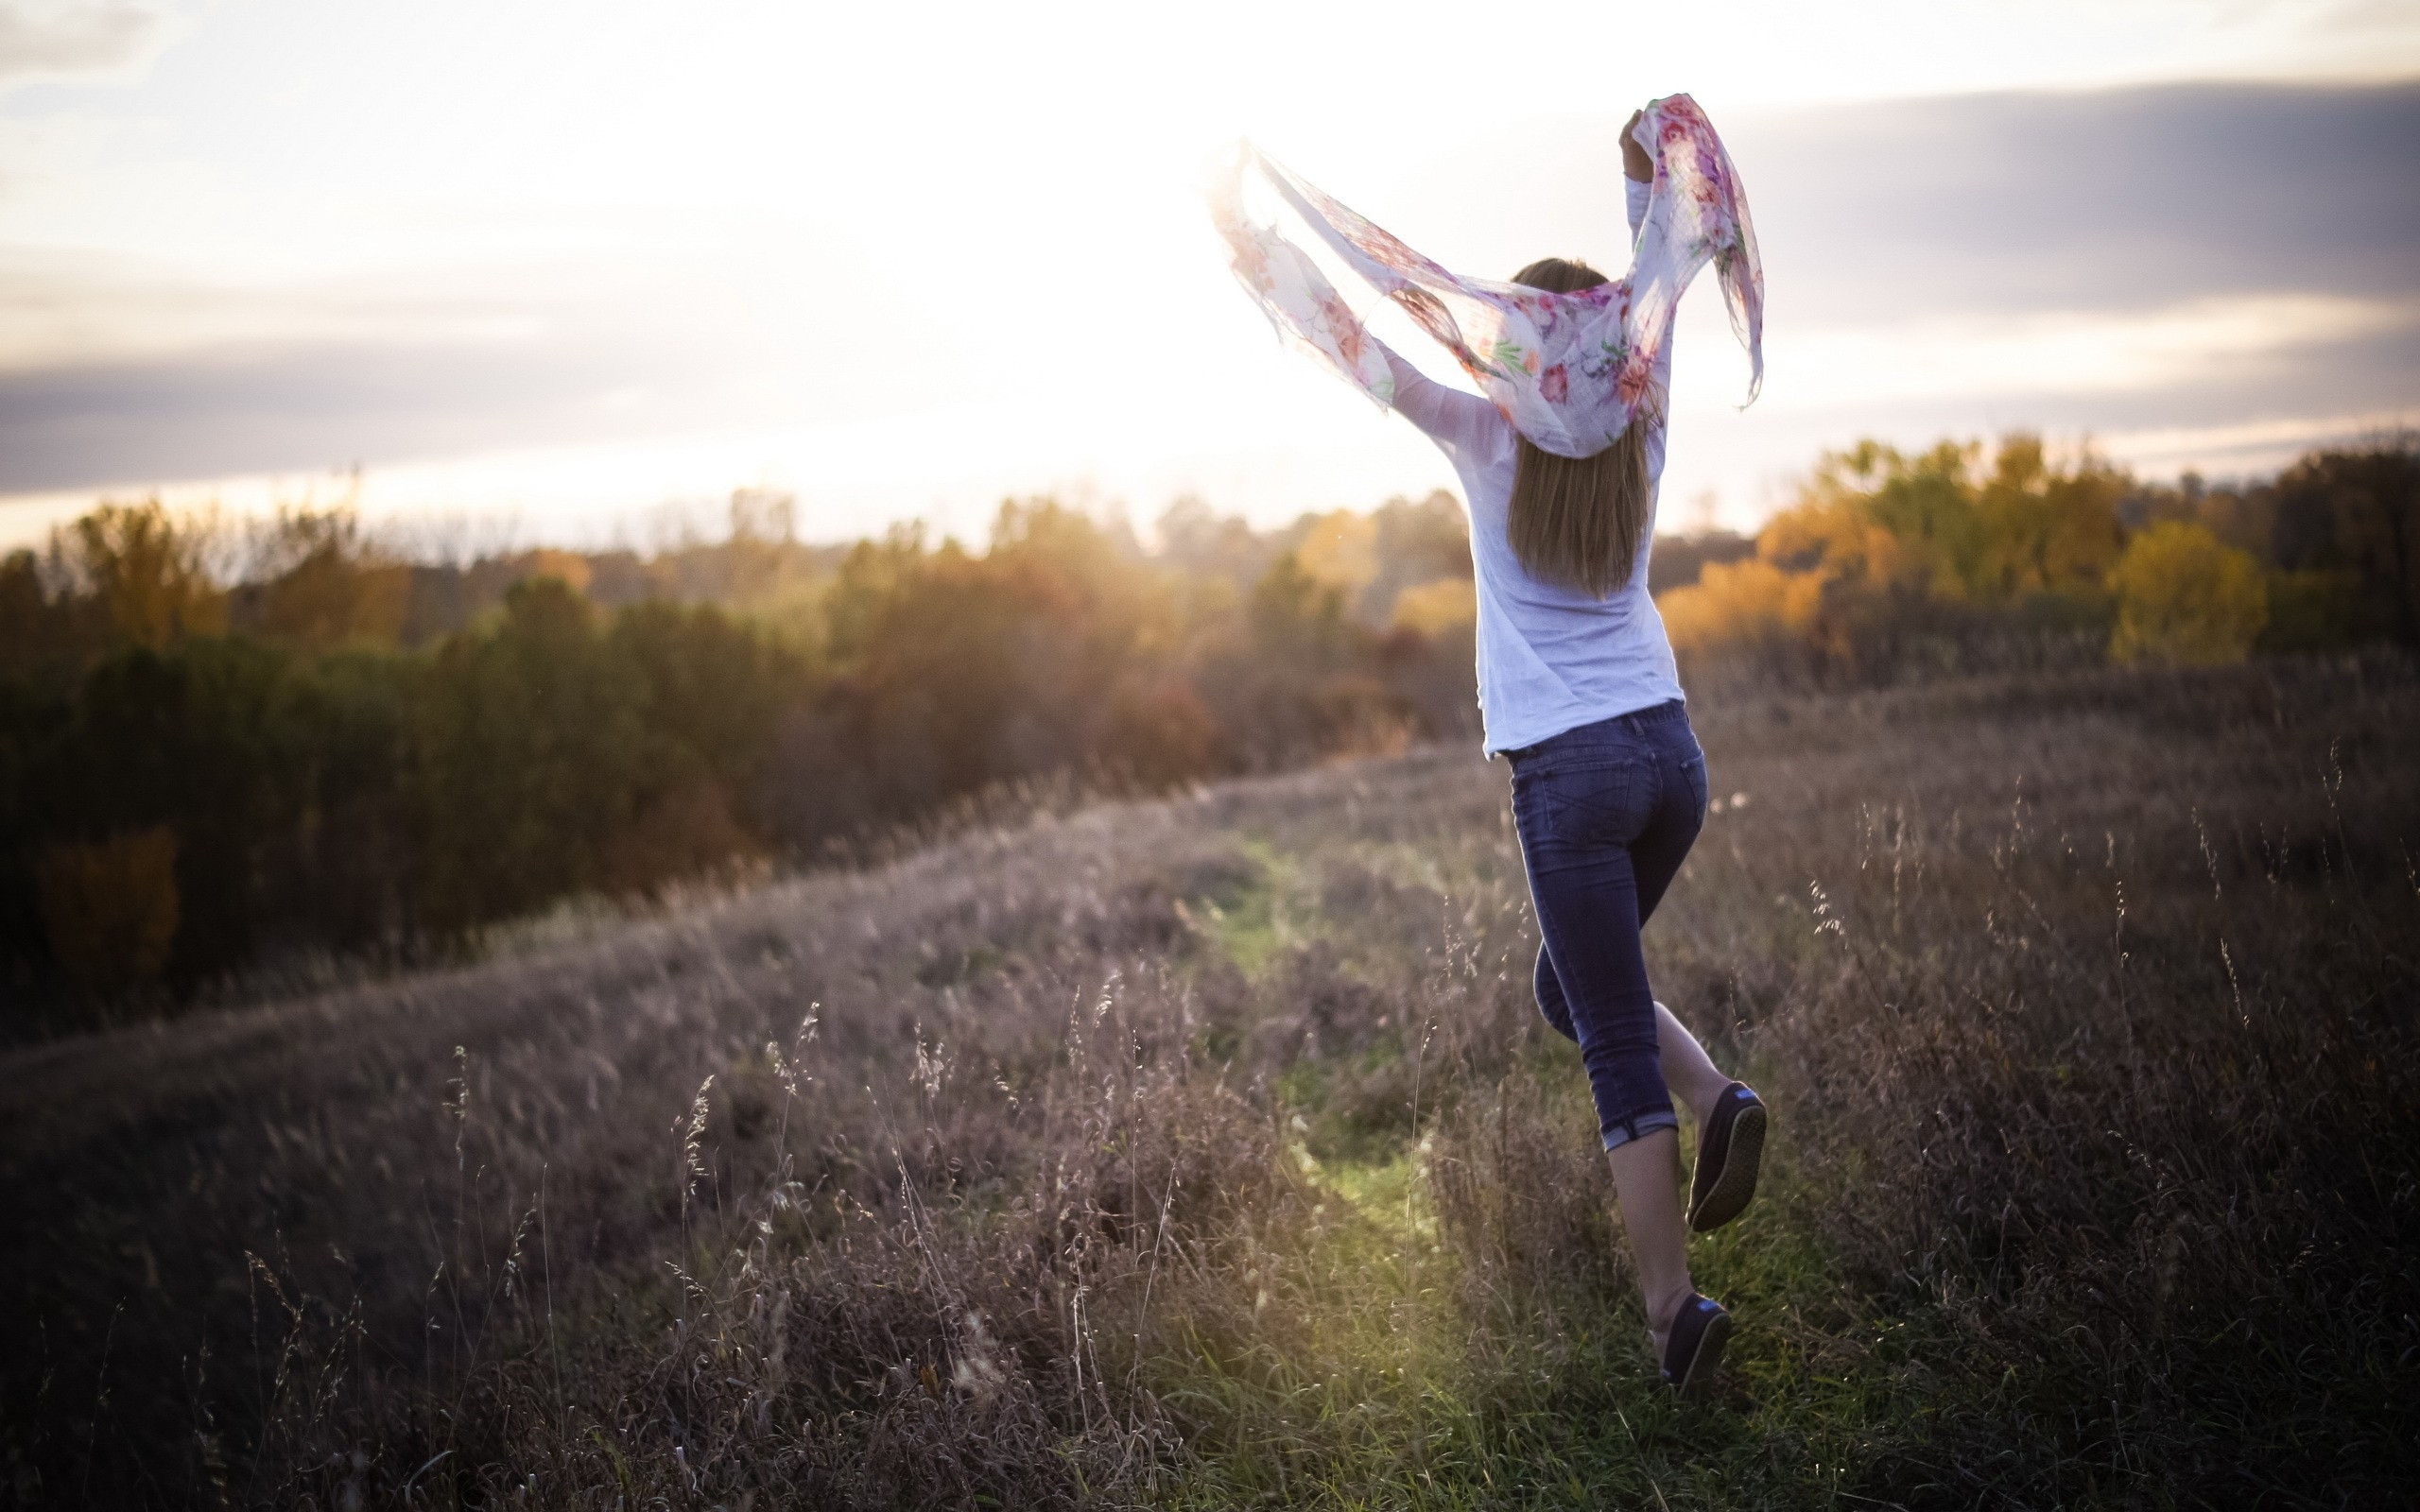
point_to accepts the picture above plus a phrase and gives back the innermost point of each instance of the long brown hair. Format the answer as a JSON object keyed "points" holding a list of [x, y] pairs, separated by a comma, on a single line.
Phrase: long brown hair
{"points": [[1577, 521]]}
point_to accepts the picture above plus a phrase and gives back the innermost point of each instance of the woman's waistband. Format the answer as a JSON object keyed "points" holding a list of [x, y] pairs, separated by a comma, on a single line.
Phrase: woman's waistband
{"points": [[1636, 722]]}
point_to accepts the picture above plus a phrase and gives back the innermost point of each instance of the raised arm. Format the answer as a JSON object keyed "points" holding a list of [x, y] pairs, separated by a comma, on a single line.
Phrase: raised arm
{"points": [[1457, 421], [1638, 175], [1639, 186]]}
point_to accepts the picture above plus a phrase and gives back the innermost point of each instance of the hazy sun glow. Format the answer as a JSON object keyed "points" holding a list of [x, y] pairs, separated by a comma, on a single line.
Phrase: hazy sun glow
{"points": [[571, 264]]}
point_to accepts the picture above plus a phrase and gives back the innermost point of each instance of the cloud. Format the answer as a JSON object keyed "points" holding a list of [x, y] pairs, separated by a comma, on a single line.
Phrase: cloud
{"points": [[281, 408], [62, 312], [2247, 444], [2116, 200], [2224, 270], [2174, 261], [2079, 200], [115, 372], [56, 40], [2168, 350]]}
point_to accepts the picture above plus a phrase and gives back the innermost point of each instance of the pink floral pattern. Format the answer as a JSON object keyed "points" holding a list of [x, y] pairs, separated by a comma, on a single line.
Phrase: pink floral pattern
{"points": [[1569, 370]]}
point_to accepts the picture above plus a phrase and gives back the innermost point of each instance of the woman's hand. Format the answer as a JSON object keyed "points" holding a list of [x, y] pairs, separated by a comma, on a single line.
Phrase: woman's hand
{"points": [[1636, 162]]}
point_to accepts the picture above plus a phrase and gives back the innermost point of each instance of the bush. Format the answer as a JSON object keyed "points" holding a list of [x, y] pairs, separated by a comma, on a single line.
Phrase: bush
{"points": [[1750, 605], [1435, 608], [1891, 564], [2185, 598]]}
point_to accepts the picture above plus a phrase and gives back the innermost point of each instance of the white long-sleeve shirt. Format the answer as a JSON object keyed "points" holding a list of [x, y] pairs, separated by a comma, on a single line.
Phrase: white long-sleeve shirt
{"points": [[1550, 658]]}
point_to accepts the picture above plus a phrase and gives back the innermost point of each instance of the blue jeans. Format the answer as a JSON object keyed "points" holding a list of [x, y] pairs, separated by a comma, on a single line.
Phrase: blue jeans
{"points": [[1606, 812]]}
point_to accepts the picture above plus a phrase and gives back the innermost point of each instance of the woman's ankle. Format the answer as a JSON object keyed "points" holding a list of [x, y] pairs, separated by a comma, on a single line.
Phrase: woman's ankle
{"points": [[1662, 1310], [1699, 1097]]}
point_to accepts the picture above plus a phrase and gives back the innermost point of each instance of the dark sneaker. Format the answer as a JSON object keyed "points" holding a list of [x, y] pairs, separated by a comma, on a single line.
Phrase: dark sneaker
{"points": [[1694, 1348], [1730, 1148]]}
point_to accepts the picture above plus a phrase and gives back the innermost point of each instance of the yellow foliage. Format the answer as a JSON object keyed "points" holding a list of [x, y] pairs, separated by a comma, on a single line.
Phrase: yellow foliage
{"points": [[1876, 534], [1832, 537], [1924, 504], [2185, 597], [330, 585], [569, 567], [1742, 603], [2045, 529], [111, 909], [1435, 607], [322, 584], [1341, 551], [148, 573]]}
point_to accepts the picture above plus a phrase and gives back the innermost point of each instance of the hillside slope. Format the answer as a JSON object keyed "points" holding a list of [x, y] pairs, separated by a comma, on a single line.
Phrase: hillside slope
{"points": [[1208, 1149]]}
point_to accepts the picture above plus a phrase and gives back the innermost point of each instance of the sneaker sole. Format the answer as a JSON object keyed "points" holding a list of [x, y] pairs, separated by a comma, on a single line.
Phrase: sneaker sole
{"points": [[1703, 1364], [1735, 1187]]}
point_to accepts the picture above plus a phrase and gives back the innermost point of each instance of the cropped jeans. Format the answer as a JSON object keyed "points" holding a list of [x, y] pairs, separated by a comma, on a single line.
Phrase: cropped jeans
{"points": [[1606, 814]]}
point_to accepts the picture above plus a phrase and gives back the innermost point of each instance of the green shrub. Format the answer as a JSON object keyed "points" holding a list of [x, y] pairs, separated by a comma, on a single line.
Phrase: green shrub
{"points": [[2187, 599]]}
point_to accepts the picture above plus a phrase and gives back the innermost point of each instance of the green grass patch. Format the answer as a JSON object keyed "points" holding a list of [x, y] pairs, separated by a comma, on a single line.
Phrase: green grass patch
{"points": [[1379, 1375], [1253, 922], [1381, 1378]]}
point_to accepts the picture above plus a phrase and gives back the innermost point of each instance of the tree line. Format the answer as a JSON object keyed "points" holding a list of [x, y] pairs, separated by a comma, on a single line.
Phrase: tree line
{"points": [[221, 751], [1890, 564], [224, 750]]}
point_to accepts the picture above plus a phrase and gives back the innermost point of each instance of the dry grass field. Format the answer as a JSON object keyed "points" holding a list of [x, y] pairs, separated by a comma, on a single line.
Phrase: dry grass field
{"points": [[1208, 1152]]}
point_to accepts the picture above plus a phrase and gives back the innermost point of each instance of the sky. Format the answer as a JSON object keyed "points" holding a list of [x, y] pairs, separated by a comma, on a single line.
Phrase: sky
{"points": [[517, 270]]}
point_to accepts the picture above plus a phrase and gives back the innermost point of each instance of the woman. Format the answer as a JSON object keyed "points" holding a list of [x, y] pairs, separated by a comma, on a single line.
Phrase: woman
{"points": [[1577, 683]]}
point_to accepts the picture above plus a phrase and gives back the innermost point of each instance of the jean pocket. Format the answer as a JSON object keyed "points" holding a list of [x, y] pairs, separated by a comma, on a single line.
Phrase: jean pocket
{"points": [[1537, 803], [1602, 802], [1693, 778]]}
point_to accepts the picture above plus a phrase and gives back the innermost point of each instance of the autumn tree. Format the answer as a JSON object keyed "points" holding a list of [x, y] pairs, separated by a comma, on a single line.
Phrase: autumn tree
{"points": [[318, 582], [1922, 505], [2045, 528], [1889, 560], [2187, 598], [2356, 513], [147, 571]]}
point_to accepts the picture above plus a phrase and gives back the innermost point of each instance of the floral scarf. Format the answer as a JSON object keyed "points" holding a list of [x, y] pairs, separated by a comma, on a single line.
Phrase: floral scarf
{"points": [[1569, 370]]}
